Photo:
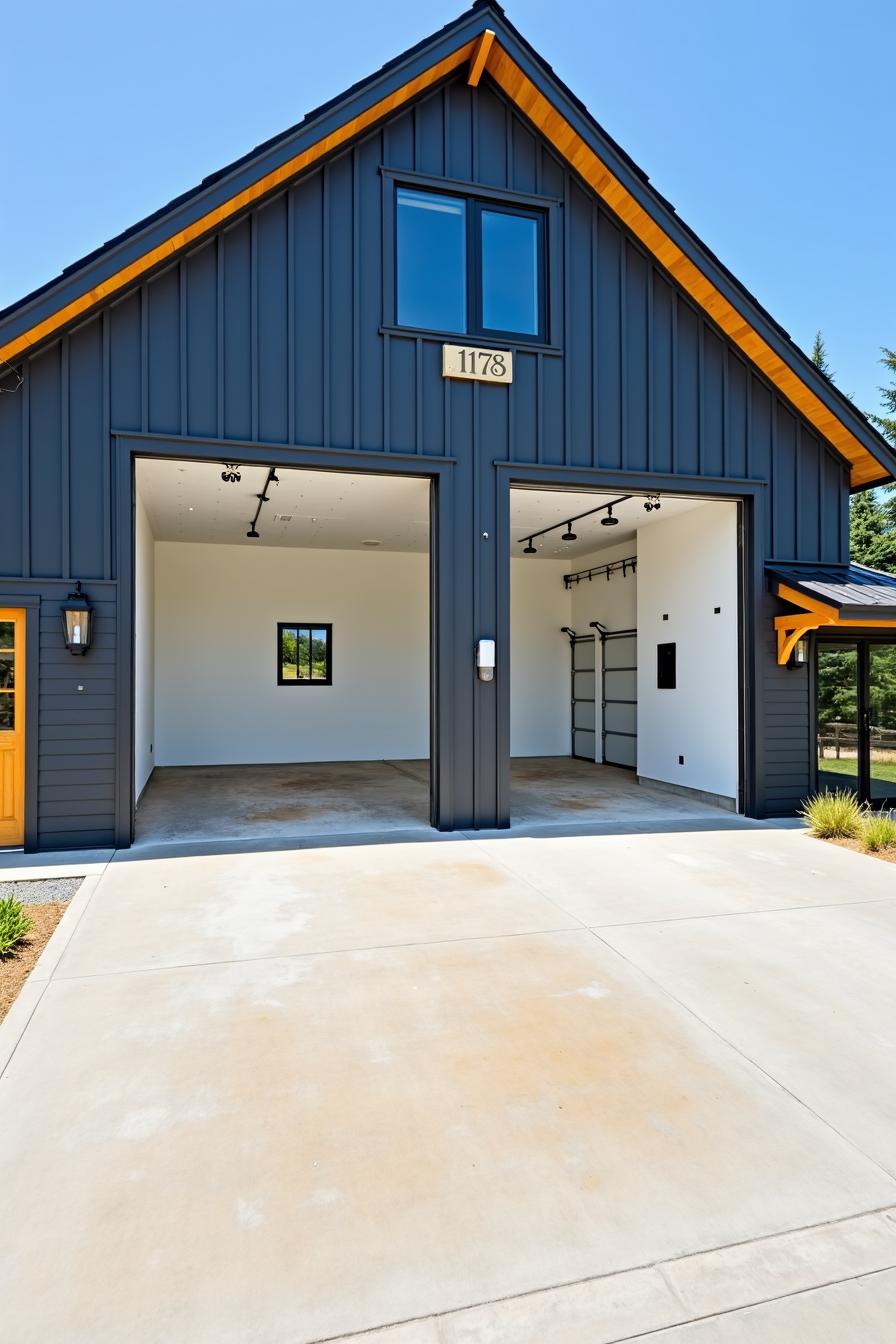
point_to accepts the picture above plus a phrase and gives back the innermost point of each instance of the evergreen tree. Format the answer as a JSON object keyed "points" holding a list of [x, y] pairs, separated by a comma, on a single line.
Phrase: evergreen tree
{"points": [[819, 356], [886, 423], [872, 537]]}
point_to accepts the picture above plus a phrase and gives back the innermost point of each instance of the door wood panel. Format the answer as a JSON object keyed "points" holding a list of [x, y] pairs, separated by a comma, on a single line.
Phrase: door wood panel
{"points": [[12, 726]]}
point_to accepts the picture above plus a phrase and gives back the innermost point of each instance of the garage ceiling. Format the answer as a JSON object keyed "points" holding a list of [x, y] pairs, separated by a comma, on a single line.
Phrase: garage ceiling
{"points": [[188, 501], [531, 510]]}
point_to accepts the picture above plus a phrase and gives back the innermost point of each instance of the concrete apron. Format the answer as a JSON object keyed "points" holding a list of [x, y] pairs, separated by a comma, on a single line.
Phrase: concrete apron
{"points": [[289, 1096]]}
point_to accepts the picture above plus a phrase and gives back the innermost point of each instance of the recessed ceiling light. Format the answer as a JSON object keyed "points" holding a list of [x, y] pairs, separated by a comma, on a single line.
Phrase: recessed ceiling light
{"points": [[371, 542]]}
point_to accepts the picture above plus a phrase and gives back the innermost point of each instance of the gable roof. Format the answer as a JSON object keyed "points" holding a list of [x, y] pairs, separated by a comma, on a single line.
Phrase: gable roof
{"points": [[530, 84]]}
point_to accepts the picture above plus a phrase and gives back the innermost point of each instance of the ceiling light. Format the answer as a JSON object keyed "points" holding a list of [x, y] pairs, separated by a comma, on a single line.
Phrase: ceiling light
{"points": [[274, 477], [652, 502], [190, 507], [609, 521], [231, 473], [369, 542], [252, 532], [530, 549], [568, 535]]}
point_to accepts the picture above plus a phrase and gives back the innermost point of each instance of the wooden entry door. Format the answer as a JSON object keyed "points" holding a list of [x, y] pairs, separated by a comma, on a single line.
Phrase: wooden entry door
{"points": [[12, 726]]}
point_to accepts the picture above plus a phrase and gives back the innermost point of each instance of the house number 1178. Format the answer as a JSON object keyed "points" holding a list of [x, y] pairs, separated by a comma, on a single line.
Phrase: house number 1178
{"points": [[469, 361]]}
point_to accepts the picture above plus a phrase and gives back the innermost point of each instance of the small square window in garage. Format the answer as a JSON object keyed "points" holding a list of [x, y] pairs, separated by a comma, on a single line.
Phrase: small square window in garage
{"points": [[304, 654]]}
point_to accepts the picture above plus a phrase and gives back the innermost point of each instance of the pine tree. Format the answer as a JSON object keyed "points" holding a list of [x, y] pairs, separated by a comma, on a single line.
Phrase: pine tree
{"points": [[872, 541], [819, 356], [886, 423]]}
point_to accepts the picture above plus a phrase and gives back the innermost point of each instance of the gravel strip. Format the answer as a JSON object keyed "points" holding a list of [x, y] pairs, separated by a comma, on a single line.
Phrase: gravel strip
{"points": [[41, 890]]}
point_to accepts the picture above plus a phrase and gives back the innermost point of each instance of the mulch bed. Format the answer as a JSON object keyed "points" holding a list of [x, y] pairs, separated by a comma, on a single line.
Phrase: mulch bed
{"points": [[888, 855], [19, 961]]}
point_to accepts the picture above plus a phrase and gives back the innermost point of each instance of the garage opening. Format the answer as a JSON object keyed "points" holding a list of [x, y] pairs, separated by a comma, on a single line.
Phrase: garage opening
{"points": [[625, 663], [282, 648]]}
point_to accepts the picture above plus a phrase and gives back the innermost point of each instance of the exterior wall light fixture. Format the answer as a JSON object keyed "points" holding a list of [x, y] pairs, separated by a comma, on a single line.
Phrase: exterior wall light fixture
{"points": [[77, 621], [800, 655]]}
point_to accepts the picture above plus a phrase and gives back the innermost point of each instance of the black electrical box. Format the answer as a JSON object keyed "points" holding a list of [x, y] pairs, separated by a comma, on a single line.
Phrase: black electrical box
{"points": [[665, 667]]}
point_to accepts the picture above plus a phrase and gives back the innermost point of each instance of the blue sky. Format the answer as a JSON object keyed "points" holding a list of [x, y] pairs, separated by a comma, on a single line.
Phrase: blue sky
{"points": [[768, 126]]}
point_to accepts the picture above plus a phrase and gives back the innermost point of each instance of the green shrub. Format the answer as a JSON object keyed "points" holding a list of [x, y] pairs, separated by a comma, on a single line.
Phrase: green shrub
{"points": [[14, 923], [878, 831], [833, 816]]}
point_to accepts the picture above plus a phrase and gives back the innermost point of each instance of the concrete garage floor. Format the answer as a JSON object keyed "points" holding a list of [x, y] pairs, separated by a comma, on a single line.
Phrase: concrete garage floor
{"points": [[524, 1089], [186, 804]]}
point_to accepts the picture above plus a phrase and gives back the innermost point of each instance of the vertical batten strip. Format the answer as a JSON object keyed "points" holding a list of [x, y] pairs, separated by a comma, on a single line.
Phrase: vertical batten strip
{"points": [[701, 395], [418, 395], [144, 359], [107, 443], [182, 372], [26, 469], [290, 316], [325, 313], [595, 339], [651, 362], [569, 451], [219, 332], [356, 299], [65, 509], [253, 324]]}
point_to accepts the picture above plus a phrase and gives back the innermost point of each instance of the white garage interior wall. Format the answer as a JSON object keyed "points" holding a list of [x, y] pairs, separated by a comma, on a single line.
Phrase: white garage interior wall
{"points": [[539, 658], [687, 568], [217, 697], [209, 600]]}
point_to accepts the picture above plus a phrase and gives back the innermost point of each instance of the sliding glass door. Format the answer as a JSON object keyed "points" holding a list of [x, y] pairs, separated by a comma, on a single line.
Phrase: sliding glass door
{"points": [[855, 718]]}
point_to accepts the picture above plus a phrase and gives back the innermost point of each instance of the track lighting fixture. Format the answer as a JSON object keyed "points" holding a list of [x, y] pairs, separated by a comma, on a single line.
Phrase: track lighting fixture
{"points": [[231, 473], [651, 502], [273, 479], [263, 498], [569, 535]]}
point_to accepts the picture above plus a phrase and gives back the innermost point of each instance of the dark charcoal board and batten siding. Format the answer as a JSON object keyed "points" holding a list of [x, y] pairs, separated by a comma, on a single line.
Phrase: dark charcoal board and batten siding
{"points": [[272, 332]]}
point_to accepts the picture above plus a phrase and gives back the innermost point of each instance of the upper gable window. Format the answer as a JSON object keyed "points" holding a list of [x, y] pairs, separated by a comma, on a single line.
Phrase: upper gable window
{"points": [[468, 266]]}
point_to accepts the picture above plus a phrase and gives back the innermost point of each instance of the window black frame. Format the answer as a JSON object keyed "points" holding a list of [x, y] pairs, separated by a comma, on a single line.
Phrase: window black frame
{"points": [[309, 626], [475, 201]]}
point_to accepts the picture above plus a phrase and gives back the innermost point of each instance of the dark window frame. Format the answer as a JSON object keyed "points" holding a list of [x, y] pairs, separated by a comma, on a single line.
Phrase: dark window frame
{"points": [[543, 209], [309, 626]]}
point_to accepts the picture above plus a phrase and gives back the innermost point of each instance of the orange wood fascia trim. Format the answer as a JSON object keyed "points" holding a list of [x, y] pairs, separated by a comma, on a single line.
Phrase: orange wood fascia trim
{"points": [[269, 182], [479, 57], [811, 604], [555, 128]]}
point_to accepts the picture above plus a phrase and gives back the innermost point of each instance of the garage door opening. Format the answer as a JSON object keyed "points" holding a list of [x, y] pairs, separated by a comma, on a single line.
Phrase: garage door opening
{"points": [[624, 680], [282, 649]]}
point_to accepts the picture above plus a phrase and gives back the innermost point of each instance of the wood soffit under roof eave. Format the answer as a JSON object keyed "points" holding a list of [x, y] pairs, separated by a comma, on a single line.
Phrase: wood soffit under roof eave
{"points": [[485, 53]]}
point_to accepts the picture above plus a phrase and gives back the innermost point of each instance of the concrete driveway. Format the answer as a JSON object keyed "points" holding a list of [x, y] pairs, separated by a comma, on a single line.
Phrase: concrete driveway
{"points": [[574, 1089]]}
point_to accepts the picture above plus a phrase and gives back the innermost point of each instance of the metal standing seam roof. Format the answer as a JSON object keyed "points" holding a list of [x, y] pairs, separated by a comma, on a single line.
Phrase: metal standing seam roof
{"points": [[855, 590]]}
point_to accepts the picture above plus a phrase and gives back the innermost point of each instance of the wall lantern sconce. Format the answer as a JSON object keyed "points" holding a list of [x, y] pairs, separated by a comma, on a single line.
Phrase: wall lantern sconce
{"points": [[800, 655], [77, 621]]}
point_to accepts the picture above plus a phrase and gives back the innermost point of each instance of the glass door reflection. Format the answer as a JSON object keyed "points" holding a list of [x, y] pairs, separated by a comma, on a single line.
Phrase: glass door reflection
{"points": [[881, 722], [837, 716]]}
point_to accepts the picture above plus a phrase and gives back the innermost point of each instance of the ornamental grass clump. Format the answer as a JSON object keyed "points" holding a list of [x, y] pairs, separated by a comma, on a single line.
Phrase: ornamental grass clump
{"points": [[878, 832], [833, 816], [14, 923]]}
